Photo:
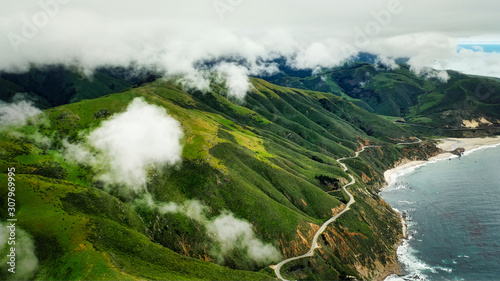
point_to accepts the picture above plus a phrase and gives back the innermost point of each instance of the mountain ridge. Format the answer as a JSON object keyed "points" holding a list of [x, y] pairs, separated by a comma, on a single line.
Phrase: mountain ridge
{"points": [[420, 100]]}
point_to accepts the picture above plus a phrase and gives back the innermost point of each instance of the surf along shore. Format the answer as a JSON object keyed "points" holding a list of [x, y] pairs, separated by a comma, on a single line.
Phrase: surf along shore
{"points": [[446, 145]]}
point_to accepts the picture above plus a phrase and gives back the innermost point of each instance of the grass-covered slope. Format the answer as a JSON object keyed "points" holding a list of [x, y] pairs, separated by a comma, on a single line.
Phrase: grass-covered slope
{"points": [[462, 102], [55, 85], [84, 233], [269, 160], [461, 99], [377, 89]]}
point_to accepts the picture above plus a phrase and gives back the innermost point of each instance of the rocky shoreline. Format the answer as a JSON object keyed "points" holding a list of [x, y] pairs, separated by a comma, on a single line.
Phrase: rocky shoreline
{"points": [[450, 147]]}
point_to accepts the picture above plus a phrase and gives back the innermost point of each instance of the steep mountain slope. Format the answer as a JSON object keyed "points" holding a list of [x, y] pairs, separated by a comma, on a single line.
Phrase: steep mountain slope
{"points": [[461, 102], [55, 85], [269, 161], [371, 86]]}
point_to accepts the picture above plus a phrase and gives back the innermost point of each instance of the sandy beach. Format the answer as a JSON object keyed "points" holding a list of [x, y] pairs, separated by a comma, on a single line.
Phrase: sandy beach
{"points": [[447, 144]]}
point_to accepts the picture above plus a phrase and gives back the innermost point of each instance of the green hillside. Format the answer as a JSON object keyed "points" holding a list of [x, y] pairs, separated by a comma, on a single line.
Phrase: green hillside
{"points": [[464, 98], [445, 108], [270, 161], [55, 85]]}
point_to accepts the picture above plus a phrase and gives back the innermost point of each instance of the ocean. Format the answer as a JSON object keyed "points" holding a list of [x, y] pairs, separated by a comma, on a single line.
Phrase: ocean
{"points": [[453, 210]]}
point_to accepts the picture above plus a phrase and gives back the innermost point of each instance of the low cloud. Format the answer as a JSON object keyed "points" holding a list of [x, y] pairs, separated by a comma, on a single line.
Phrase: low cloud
{"points": [[125, 146], [472, 62], [18, 112], [196, 79], [26, 261], [386, 62], [236, 79], [330, 53], [172, 36], [427, 72], [233, 233], [227, 232], [122, 150]]}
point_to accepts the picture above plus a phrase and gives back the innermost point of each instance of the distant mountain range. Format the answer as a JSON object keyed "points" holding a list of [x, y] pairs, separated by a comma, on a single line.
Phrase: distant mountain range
{"points": [[465, 102]]}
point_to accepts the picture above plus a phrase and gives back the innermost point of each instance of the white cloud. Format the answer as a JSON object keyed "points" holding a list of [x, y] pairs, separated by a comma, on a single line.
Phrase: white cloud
{"points": [[386, 62], [227, 232], [236, 78], [81, 154], [172, 36], [427, 72], [468, 61], [126, 145], [17, 113], [130, 143], [231, 233], [330, 53], [26, 262]]}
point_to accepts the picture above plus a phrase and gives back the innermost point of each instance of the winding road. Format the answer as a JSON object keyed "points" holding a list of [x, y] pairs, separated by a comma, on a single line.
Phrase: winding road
{"points": [[314, 243], [419, 141]]}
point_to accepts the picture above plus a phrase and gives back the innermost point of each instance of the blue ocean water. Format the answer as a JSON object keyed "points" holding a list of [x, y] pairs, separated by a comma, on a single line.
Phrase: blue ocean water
{"points": [[453, 209]]}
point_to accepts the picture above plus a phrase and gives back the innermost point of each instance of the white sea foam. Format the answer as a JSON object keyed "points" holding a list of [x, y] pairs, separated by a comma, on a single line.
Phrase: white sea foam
{"points": [[393, 177], [445, 269], [396, 186], [397, 174], [414, 267], [467, 152], [400, 173], [407, 202]]}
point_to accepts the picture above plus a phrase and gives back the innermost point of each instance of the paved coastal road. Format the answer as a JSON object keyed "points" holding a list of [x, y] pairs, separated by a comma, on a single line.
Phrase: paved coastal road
{"points": [[314, 243], [419, 141]]}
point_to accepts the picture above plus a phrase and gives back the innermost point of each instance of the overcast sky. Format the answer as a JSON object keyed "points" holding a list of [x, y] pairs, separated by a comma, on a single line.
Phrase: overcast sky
{"points": [[172, 35]]}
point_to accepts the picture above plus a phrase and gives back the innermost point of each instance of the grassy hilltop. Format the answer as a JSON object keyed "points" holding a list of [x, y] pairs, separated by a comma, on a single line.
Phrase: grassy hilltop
{"points": [[462, 105], [269, 161]]}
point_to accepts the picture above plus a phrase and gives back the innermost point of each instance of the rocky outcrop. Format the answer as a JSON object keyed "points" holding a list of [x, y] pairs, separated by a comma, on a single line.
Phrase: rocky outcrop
{"points": [[458, 151]]}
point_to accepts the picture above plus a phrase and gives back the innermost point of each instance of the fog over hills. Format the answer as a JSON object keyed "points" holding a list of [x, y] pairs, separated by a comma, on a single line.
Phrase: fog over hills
{"points": [[216, 139], [173, 36]]}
